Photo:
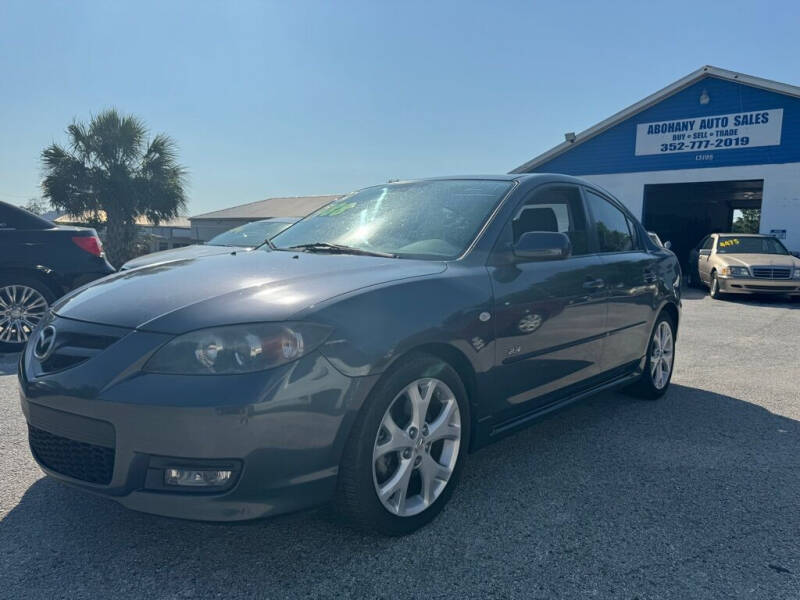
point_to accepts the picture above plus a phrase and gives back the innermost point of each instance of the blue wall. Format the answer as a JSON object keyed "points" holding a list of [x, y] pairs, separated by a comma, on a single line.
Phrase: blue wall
{"points": [[613, 150]]}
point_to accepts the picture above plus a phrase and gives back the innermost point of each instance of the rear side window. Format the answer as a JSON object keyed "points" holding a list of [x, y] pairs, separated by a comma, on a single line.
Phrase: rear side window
{"points": [[611, 225], [5, 217]]}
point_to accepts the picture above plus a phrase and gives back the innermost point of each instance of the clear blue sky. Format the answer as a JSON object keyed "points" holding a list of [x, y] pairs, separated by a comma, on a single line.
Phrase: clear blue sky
{"points": [[295, 98]]}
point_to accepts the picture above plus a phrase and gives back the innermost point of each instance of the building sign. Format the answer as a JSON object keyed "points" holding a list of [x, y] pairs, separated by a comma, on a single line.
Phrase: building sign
{"points": [[707, 134]]}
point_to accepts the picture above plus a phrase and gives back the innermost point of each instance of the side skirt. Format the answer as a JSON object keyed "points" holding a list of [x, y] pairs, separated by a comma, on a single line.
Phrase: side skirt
{"points": [[494, 432]]}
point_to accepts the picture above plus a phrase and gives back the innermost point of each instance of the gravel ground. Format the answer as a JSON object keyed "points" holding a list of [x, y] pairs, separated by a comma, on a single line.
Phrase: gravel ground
{"points": [[693, 496]]}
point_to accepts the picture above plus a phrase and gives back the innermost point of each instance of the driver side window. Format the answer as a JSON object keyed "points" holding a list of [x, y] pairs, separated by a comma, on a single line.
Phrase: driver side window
{"points": [[554, 209], [707, 243]]}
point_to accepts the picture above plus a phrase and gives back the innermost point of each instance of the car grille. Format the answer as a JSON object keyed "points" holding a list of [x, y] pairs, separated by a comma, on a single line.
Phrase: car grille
{"points": [[76, 342], [79, 460], [772, 272]]}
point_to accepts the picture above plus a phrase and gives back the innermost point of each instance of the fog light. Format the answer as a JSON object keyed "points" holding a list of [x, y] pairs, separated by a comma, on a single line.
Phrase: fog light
{"points": [[197, 477]]}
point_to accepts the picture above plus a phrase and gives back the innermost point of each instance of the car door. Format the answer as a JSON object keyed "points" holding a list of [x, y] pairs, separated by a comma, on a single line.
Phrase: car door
{"points": [[11, 248], [704, 259], [629, 272], [549, 315]]}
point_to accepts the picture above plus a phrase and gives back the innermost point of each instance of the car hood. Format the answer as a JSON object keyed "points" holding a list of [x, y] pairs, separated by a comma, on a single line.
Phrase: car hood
{"points": [[195, 251], [749, 260], [241, 287]]}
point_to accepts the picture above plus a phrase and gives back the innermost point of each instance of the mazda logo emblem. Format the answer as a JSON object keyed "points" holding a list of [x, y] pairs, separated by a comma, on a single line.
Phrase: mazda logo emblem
{"points": [[45, 343]]}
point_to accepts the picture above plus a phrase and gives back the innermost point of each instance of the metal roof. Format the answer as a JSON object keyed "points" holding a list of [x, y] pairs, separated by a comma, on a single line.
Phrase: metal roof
{"points": [[293, 206], [141, 220], [633, 109]]}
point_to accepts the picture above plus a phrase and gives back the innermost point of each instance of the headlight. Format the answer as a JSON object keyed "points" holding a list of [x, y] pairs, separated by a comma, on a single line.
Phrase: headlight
{"points": [[796, 273], [236, 348], [735, 271]]}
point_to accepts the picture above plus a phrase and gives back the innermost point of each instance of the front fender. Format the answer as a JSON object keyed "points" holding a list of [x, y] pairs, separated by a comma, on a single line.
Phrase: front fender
{"points": [[376, 325]]}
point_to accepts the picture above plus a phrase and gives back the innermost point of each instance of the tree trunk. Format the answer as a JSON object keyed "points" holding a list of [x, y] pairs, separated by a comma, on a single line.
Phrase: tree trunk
{"points": [[120, 237]]}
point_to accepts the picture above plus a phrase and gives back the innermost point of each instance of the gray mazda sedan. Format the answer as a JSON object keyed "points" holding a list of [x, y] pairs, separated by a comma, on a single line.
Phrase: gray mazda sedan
{"points": [[357, 358]]}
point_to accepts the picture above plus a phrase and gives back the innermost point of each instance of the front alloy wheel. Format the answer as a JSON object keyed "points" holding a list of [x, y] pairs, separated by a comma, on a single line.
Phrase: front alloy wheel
{"points": [[713, 289], [405, 453], [416, 448]]}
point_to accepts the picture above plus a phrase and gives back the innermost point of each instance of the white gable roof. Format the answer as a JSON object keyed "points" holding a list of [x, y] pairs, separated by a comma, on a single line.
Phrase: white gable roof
{"points": [[684, 82]]}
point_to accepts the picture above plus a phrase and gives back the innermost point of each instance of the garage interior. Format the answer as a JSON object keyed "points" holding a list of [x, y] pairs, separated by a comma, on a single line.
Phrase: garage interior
{"points": [[684, 213]]}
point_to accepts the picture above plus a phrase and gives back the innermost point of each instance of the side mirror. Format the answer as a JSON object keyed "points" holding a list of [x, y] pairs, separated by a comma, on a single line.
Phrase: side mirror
{"points": [[704, 252], [668, 245], [542, 245]]}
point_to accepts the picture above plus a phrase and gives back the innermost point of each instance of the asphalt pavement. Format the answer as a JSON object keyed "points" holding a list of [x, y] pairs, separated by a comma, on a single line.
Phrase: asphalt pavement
{"points": [[692, 496]]}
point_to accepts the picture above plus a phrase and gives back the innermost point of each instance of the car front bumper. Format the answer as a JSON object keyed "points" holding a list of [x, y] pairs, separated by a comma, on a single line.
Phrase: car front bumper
{"points": [[283, 431], [733, 285]]}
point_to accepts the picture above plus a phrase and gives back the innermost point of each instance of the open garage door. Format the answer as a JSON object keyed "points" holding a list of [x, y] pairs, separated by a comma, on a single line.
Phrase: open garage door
{"points": [[684, 213]]}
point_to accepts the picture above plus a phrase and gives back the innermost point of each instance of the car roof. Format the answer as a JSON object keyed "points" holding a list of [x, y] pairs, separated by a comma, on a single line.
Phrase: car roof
{"points": [[502, 177], [762, 235]]}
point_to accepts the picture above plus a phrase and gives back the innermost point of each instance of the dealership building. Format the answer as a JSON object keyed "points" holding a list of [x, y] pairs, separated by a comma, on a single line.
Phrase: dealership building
{"points": [[685, 158]]}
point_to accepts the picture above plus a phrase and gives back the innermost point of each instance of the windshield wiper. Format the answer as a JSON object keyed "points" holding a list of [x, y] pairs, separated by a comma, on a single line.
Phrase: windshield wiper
{"points": [[339, 249], [268, 243]]}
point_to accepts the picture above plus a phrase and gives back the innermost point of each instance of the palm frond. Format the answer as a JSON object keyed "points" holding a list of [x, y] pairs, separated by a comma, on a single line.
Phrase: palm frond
{"points": [[108, 166]]}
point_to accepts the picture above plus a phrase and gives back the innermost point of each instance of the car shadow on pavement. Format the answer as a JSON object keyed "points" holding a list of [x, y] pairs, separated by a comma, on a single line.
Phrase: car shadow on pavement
{"points": [[691, 496]]}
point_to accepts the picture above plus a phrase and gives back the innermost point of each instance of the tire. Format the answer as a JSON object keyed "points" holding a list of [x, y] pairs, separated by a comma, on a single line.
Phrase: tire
{"points": [[368, 465], [28, 292], [694, 279], [649, 386], [713, 288]]}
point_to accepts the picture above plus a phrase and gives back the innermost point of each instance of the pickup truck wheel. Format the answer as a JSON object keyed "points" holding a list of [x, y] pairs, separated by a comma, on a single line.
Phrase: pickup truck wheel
{"points": [[24, 301], [405, 454]]}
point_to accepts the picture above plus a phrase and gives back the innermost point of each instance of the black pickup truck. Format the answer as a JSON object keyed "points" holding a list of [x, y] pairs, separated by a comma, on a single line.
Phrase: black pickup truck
{"points": [[39, 262]]}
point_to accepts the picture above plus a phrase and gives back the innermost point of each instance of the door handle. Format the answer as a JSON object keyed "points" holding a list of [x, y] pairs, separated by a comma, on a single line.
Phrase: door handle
{"points": [[594, 284]]}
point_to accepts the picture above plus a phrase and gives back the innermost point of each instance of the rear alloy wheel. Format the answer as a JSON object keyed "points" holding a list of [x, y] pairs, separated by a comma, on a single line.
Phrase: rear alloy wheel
{"points": [[662, 355], [22, 306], [659, 362], [404, 456]]}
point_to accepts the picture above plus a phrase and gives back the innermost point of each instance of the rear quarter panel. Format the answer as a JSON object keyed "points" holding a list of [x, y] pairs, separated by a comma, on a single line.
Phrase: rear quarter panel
{"points": [[50, 254]]}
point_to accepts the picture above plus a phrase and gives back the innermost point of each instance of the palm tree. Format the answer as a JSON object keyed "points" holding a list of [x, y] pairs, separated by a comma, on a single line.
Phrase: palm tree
{"points": [[111, 167]]}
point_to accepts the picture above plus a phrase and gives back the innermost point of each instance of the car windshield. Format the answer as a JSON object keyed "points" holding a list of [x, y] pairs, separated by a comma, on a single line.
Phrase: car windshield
{"points": [[750, 245], [249, 235], [424, 219]]}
